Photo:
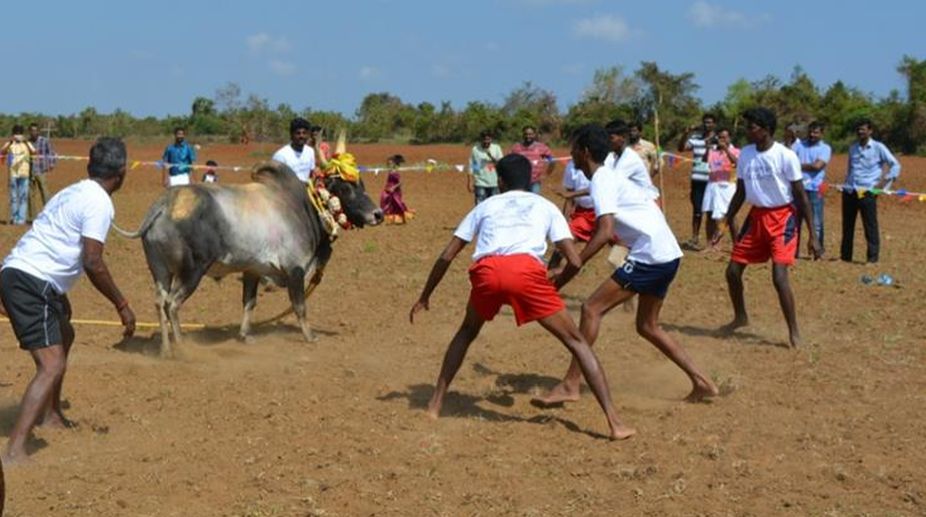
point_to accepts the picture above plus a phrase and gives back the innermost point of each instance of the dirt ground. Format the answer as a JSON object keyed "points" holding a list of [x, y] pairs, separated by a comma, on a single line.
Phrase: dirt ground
{"points": [[337, 427]]}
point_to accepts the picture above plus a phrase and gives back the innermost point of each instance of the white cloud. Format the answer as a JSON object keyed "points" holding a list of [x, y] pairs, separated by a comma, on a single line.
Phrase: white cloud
{"points": [[707, 15], [368, 72], [281, 67], [606, 28], [262, 41]]}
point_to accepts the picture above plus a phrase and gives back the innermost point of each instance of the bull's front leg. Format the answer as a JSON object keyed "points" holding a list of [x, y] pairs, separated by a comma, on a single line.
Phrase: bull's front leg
{"points": [[294, 284], [249, 301]]}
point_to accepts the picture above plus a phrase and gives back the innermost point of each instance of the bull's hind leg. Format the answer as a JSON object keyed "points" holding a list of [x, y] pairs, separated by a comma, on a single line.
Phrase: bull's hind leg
{"points": [[183, 286], [249, 301], [161, 307], [294, 285]]}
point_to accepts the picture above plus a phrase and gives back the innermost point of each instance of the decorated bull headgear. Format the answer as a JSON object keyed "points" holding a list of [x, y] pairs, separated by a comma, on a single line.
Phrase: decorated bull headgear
{"points": [[342, 164]]}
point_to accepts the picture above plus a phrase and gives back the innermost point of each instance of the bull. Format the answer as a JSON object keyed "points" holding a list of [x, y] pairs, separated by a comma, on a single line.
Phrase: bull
{"points": [[269, 228]]}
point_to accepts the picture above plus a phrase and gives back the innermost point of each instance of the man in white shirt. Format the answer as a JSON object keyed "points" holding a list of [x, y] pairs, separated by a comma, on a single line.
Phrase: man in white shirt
{"points": [[511, 232], [66, 238], [625, 208], [625, 160], [769, 177], [296, 154]]}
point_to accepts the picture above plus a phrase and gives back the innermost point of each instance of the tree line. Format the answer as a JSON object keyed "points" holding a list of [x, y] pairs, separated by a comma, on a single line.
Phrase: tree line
{"points": [[613, 92]]}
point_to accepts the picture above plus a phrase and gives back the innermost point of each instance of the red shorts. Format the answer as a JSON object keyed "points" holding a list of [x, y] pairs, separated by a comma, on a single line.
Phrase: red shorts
{"points": [[516, 280], [582, 223], [767, 233]]}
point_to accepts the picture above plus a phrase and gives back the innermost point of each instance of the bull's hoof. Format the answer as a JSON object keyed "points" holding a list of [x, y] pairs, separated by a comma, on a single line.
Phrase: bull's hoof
{"points": [[310, 337], [246, 339]]}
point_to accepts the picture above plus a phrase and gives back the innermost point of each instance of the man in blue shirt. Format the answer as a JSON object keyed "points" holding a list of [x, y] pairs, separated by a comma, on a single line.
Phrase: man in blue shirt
{"points": [[179, 156], [868, 159], [814, 155]]}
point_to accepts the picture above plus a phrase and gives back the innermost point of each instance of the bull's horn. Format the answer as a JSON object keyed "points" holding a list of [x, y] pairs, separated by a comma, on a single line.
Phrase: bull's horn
{"points": [[341, 146]]}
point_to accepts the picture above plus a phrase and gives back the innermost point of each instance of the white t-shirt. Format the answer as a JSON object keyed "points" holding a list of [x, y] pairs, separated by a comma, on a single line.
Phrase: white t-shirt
{"points": [[51, 250], [513, 222], [637, 219], [632, 167], [768, 175], [301, 163], [574, 179]]}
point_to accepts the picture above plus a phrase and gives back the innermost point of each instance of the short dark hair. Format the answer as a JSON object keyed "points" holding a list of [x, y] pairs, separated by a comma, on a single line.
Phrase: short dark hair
{"points": [[396, 159], [762, 117], [816, 124], [315, 127], [179, 128], [863, 121], [637, 124], [528, 126], [595, 139], [617, 127], [17, 129], [721, 129], [486, 133], [708, 116], [33, 125], [211, 163], [107, 158], [299, 123], [515, 170]]}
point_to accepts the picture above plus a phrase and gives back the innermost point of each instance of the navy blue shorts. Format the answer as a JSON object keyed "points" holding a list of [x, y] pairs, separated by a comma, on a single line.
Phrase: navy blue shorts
{"points": [[37, 312], [652, 279]]}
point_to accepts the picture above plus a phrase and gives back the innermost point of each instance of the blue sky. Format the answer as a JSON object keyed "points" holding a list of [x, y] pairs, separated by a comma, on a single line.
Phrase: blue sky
{"points": [[154, 58]]}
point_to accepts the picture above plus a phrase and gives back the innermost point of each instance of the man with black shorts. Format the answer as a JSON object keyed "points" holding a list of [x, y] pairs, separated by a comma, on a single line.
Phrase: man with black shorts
{"points": [[66, 238], [699, 141]]}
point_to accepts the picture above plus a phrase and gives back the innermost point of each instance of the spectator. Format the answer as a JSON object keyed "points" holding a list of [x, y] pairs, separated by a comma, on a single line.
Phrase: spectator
{"points": [[322, 148], [646, 149], [699, 141], [814, 155], [536, 152], [19, 152], [210, 175], [295, 154], [868, 160], [43, 162], [178, 161], [721, 186], [482, 179]]}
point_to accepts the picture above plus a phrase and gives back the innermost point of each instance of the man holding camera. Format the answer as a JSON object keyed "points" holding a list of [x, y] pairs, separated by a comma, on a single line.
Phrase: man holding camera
{"points": [[19, 153], [698, 140]]}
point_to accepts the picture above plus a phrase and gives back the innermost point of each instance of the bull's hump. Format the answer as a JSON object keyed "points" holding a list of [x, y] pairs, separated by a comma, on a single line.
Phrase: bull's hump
{"points": [[184, 203]]}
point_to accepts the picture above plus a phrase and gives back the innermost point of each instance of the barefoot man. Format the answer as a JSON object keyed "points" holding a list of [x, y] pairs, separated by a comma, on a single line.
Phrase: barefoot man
{"points": [[511, 232], [770, 178], [66, 238], [625, 208]]}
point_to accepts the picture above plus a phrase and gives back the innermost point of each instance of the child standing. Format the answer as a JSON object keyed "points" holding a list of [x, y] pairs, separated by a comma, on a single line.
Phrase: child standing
{"points": [[390, 201], [511, 230], [721, 186], [211, 176]]}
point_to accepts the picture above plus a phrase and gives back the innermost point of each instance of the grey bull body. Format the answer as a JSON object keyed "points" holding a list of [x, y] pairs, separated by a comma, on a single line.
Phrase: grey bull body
{"points": [[267, 228]]}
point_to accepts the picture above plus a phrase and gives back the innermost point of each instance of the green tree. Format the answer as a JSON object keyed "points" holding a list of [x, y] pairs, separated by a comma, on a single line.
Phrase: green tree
{"points": [[673, 95], [532, 105]]}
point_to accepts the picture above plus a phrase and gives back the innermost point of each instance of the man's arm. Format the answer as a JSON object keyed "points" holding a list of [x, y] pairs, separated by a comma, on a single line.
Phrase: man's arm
{"points": [[567, 248], [803, 205], [99, 276], [604, 230], [438, 270], [683, 142], [737, 201], [888, 159]]}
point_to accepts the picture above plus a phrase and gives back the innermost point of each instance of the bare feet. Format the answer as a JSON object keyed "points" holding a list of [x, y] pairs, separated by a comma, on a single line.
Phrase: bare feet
{"points": [[796, 340], [56, 420], [559, 394], [731, 327], [703, 389], [433, 412], [621, 432], [11, 458]]}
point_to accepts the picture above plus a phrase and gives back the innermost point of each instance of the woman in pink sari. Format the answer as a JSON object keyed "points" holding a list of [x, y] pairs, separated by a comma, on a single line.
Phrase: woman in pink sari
{"points": [[394, 208]]}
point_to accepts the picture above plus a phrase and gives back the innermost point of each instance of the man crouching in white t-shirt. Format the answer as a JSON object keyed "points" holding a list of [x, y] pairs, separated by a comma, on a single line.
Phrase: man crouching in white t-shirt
{"points": [[66, 238], [625, 208], [511, 230]]}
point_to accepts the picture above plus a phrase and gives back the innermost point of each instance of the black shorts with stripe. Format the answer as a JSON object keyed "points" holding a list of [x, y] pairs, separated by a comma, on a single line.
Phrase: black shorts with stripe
{"points": [[37, 312]]}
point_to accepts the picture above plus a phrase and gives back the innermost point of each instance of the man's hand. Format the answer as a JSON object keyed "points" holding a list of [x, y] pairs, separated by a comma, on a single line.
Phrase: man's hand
{"points": [[422, 303], [128, 320]]}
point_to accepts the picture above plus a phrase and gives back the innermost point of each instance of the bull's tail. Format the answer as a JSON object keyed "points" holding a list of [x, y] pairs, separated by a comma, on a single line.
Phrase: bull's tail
{"points": [[145, 225]]}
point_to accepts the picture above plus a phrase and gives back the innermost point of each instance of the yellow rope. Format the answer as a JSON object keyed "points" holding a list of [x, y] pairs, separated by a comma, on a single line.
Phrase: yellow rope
{"points": [[140, 324]]}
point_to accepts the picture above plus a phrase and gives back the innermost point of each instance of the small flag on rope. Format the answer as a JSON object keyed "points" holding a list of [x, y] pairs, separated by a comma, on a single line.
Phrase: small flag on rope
{"points": [[429, 165], [861, 192], [135, 165], [459, 168]]}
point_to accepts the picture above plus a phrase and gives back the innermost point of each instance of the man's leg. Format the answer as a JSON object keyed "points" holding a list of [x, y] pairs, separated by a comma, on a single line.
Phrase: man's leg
{"points": [[735, 288], [868, 206], [816, 206], [49, 364], [608, 295], [648, 327], [53, 416], [697, 198], [849, 212], [562, 326], [453, 357], [786, 299]]}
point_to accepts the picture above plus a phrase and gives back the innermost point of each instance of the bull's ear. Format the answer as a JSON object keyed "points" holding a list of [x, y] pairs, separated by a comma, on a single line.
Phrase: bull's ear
{"points": [[268, 169]]}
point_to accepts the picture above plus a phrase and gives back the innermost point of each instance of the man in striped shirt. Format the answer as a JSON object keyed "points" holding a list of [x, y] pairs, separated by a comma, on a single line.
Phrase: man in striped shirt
{"points": [[699, 141], [43, 161]]}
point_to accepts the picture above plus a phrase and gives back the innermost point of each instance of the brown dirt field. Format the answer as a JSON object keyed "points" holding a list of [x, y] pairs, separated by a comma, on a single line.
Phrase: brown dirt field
{"points": [[279, 427]]}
